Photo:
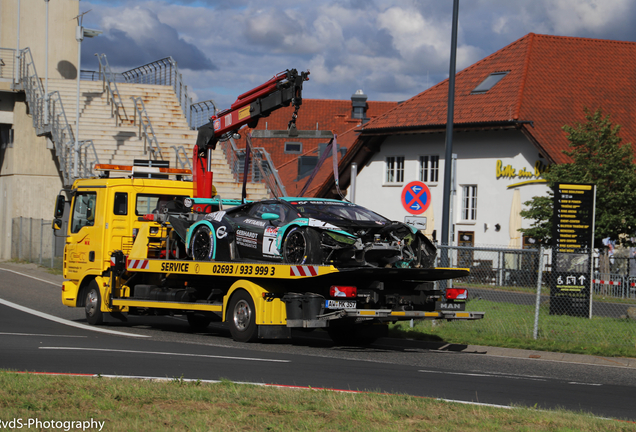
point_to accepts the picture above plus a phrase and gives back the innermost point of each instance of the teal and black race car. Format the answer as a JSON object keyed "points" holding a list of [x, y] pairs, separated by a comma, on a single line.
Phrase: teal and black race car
{"points": [[308, 231]]}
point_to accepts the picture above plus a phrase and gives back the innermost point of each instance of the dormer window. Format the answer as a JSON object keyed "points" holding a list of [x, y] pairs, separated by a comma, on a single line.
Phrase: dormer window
{"points": [[489, 82]]}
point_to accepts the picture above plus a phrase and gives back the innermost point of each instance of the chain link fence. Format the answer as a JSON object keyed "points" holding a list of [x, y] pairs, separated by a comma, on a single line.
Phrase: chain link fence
{"points": [[33, 240], [513, 287]]}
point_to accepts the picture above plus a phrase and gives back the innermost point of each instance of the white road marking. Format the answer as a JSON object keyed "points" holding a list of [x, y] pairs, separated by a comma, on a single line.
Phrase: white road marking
{"points": [[66, 322], [476, 403], [32, 277], [167, 354], [502, 375], [490, 375], [39, 334]]}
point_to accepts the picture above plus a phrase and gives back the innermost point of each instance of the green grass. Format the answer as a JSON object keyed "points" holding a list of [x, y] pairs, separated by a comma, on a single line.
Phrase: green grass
{"points": [[511, 326], [135, 405]]}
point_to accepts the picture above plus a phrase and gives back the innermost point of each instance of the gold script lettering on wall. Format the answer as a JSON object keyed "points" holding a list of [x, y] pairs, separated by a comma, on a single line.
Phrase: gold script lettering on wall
{"points": [[507, 171]]}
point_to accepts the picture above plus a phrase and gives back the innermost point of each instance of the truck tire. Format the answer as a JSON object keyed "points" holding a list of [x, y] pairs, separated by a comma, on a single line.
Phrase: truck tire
{"points": [[198, 322], [93, 304], [302, 246], [202, 246], [241, 317]]}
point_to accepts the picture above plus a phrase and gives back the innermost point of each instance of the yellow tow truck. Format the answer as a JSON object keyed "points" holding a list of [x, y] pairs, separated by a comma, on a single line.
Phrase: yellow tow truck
{"points": [[119, 261]]}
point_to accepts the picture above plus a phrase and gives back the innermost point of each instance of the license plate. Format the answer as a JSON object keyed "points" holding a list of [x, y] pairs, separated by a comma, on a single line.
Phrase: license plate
{"points": [[340, 304]]}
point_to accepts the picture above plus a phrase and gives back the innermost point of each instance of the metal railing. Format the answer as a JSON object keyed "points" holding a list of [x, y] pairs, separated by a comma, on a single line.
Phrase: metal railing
{"points": [[55, 124], [260, 170], [62, 136], [87, 158], [201, 112], [162, 72], [181, 158], [109, 84], [34, 241], [7, 64], [88, 75], [150, 139]]}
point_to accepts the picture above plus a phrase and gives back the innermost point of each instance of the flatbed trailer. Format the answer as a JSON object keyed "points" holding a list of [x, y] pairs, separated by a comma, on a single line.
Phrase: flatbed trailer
{"points": [[266, 300]]}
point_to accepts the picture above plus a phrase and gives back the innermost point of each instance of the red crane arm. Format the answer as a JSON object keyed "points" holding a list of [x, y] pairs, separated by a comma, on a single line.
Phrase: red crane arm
{"points": [[283, 89]]}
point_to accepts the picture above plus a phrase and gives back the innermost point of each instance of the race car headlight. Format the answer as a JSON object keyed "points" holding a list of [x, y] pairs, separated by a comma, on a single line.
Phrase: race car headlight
{"points": [[341, 238]]}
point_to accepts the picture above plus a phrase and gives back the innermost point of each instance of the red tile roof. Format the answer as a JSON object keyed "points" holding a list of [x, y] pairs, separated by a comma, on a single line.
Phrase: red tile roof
{"points": [[322, 114], [550, 81]]}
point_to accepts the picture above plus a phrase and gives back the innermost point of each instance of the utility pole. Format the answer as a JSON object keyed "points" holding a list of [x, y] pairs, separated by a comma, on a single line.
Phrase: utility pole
{"points": [[448, 158]]}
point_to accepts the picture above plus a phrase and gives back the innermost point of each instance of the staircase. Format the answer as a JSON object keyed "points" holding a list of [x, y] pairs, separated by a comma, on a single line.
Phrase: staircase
{"points": [[119, 141]]}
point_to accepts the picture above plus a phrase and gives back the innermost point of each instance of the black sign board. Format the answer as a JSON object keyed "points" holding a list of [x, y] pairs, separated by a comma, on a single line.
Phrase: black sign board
{"points": [[573, 243]]}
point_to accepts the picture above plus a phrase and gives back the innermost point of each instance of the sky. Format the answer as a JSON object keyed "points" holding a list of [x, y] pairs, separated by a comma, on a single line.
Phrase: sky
{"points": [[390, 49]]}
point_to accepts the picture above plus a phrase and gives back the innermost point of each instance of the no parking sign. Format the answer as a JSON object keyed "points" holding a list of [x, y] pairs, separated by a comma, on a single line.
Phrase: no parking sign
{"points": [[416, 197]]}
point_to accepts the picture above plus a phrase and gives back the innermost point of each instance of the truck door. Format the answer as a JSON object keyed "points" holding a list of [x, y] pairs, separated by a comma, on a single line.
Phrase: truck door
{"points": [[86, 230]]}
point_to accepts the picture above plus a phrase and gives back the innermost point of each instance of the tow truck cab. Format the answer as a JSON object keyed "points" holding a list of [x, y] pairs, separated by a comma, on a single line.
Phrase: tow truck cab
{"points": [[106, 215]]}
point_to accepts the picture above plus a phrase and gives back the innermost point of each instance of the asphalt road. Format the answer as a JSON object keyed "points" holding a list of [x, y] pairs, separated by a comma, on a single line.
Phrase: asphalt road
{"points": [[165, 347]]}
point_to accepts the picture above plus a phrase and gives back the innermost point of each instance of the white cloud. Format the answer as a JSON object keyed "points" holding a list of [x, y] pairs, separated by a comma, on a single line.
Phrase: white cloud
{"points": [[392, 49]]}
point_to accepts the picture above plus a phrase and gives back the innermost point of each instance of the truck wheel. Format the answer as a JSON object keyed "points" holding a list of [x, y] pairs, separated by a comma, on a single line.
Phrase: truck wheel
{"points": [[93, 303], [241, 317], [302, 246], [202, 246], [198, 322]]}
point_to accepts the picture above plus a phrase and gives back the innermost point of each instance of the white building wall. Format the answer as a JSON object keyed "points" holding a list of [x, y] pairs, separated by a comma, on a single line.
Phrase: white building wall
{"points": [[477, 156]]}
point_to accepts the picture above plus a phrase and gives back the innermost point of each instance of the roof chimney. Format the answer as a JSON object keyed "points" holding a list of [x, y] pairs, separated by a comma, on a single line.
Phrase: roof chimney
{"points": [[359, 106]]}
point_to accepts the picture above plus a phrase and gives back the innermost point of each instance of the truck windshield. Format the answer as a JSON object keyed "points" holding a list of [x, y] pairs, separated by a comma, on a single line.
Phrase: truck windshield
{"points": [[148, 203]]}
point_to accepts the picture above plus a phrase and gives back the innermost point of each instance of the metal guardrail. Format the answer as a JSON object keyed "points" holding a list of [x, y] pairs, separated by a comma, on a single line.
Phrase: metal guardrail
{"points": [[162, 72], [150, 139], [201, 112], [109, 84]]}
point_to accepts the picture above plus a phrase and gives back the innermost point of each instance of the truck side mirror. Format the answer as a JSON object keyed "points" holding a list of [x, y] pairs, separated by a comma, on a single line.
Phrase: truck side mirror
{"points": [[56, 224], [59, 207]]}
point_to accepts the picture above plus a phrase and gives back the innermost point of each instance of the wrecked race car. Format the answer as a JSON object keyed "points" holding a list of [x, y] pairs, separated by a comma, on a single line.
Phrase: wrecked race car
{"points": [[308, 231]]}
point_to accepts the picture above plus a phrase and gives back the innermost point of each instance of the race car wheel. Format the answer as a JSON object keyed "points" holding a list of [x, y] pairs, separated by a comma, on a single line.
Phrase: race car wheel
{"points": [[302, 246], [93, 304], [241, 317], [202, 244]]}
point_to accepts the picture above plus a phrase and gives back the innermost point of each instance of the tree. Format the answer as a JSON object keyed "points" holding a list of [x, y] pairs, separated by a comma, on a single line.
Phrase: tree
{"points": [[600, 158]]}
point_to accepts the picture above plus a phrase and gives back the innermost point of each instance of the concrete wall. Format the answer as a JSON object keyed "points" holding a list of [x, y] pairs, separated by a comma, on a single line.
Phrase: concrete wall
{"points": [[29, 178], [477, 156], [62, 43]]}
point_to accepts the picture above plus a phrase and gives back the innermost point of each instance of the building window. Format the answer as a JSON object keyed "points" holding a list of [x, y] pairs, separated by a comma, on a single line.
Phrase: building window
{"points": [[429, 169], [293, 147], [469, 203], [489, 82], [395, 169]]}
